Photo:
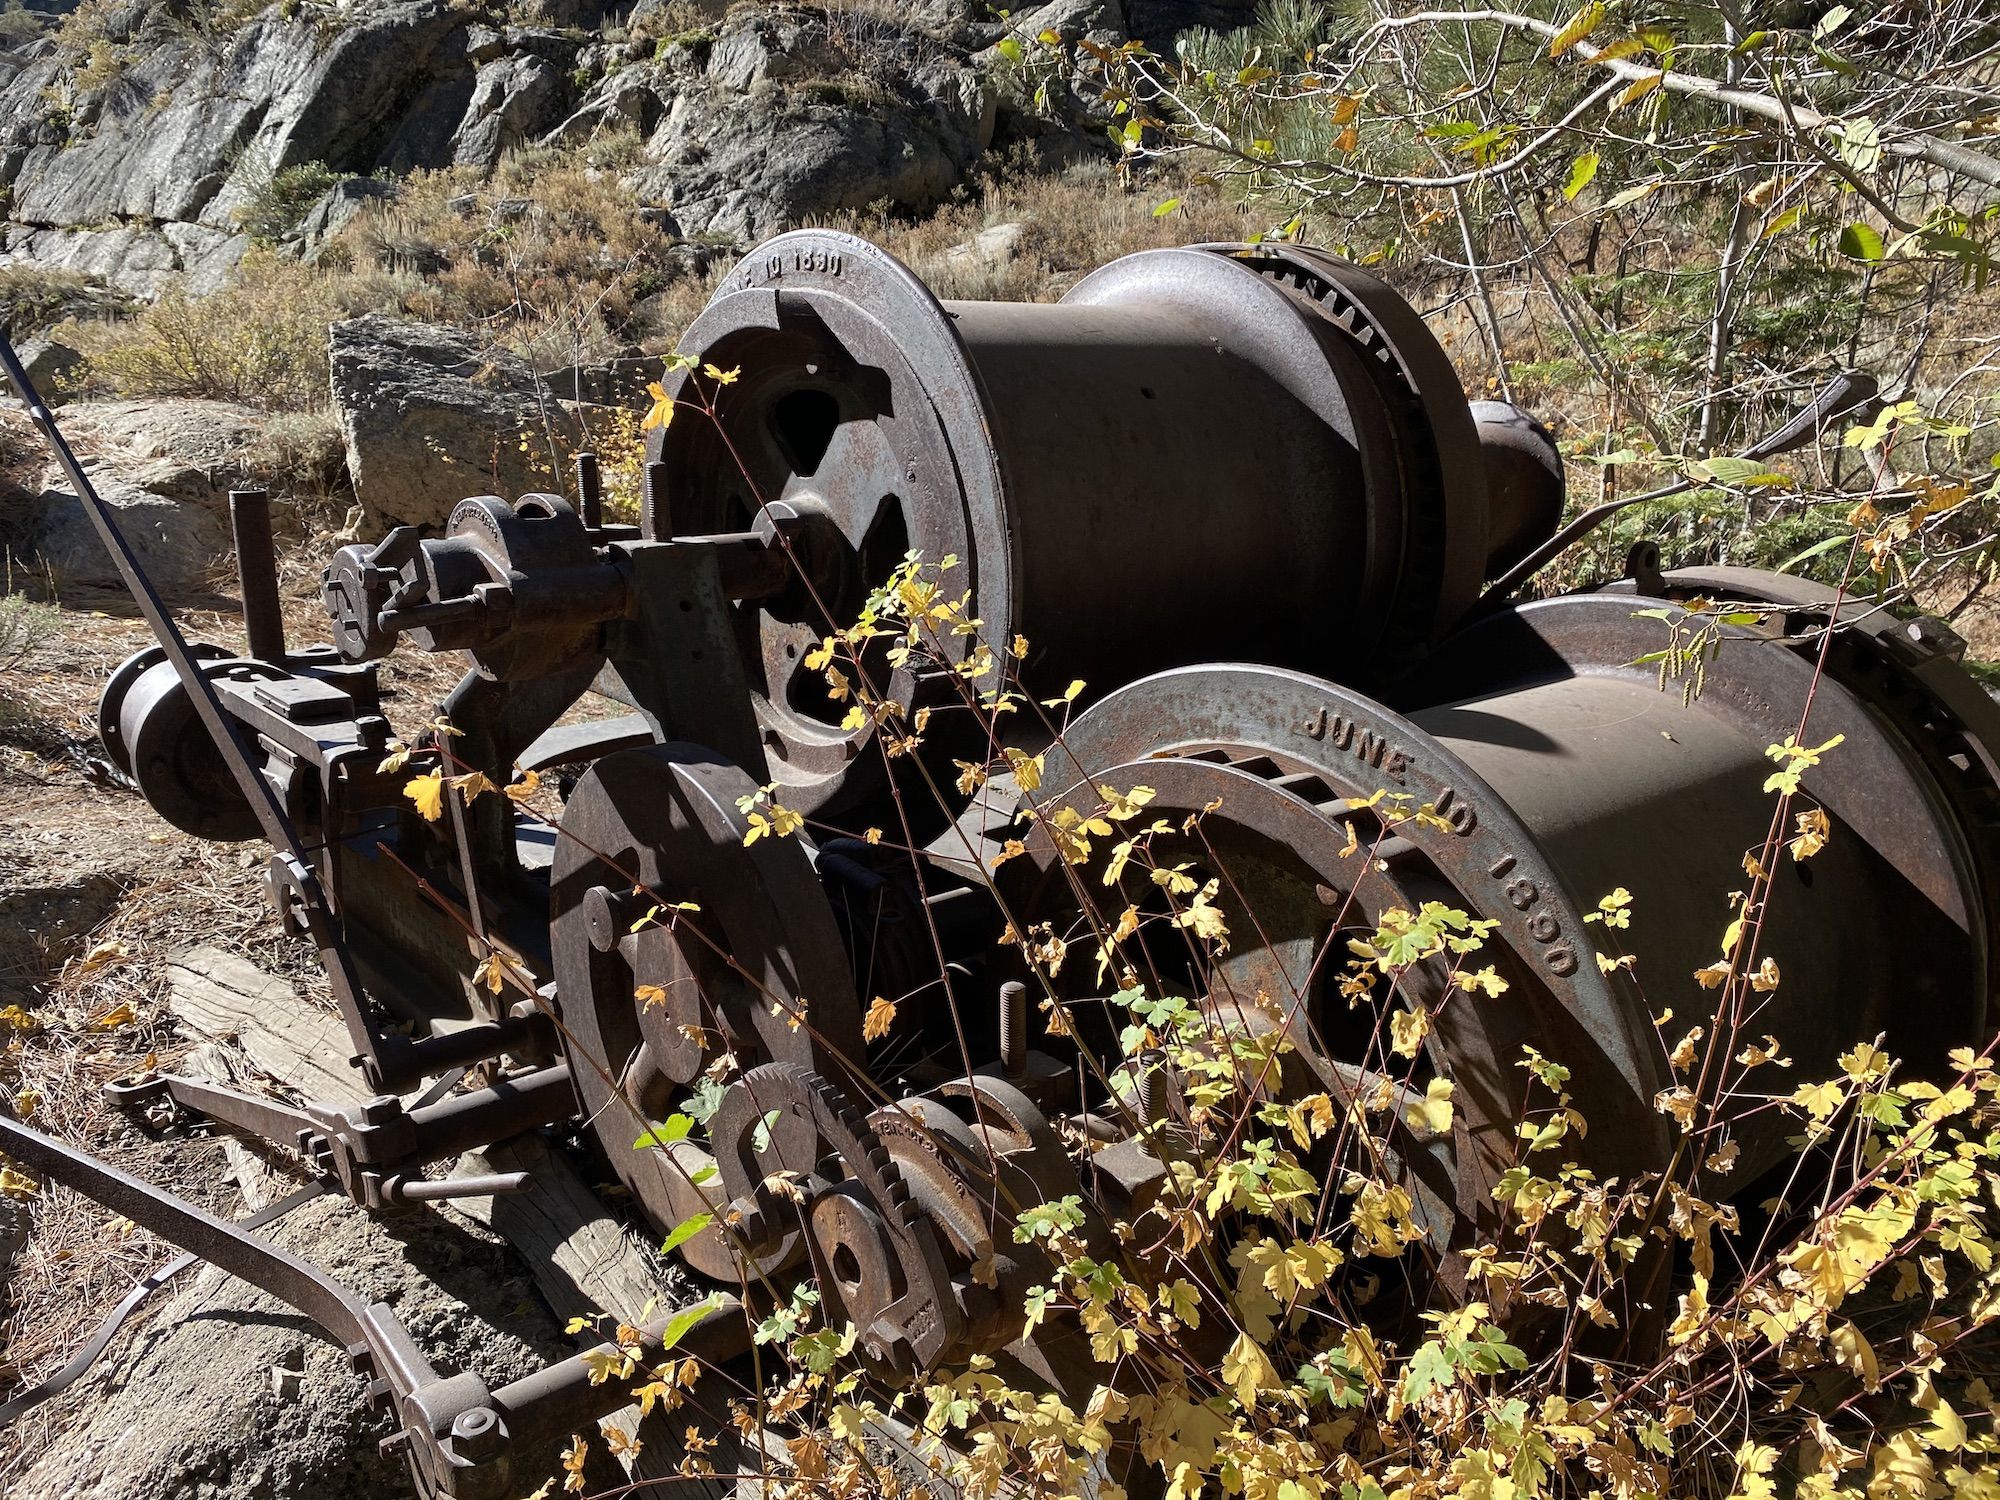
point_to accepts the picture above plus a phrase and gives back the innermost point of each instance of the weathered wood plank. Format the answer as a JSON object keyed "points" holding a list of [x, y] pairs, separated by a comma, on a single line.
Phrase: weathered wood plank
{"points": [[215, 1062], [218, 995], [584, 1261]]}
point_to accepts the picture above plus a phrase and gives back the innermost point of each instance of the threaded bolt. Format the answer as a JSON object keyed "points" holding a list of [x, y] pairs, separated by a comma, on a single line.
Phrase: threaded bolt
{"points": [[1014, 1029], [1152, 1089]]}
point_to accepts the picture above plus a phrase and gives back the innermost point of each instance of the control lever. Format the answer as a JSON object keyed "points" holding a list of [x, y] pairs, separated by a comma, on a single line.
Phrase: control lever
{"points": [[1850, 395]]}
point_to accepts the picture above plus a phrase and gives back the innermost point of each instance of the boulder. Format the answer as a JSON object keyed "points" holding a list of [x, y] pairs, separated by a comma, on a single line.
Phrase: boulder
{"points": [[166, 469], [134, 260], [189, 131], [192, 130], [337, 207], [798, 114], [1100, 20], [991, 249], [430, 416], [627, 99], [50, 364], [513, 99], [183, 549], [616, 382], [207, 257]]}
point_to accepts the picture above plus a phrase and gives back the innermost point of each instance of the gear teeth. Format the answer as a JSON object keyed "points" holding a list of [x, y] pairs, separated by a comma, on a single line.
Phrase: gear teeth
{"points": [[841, 1127], [1305, 784]]}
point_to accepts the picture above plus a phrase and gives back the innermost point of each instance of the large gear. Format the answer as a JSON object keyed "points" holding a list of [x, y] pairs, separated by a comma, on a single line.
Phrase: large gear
{"points": [[674, 944]]}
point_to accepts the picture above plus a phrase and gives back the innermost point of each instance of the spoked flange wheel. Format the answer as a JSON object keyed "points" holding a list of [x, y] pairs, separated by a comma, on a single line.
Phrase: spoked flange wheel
{"points": [[673, 941], [1271, 761]]}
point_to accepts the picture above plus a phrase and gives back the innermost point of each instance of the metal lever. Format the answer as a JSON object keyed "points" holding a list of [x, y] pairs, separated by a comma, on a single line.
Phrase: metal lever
{"points": [[1851, 393], [276, 826]]}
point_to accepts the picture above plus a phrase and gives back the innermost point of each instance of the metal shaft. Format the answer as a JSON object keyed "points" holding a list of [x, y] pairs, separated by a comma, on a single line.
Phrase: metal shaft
{"points": [[558, 1398], [1014, 1029], [589, 490], [257, 573], [510, 1107]]}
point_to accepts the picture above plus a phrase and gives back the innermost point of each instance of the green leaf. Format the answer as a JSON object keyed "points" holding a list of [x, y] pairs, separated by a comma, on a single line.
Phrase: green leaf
{"points": [[1861, 144], [1580, 25], [1831, 22], [682, 1321], [1161, 210], [1789, 219], [1633, 195], [673, 1128], [1581, 172], [1860, 242], [1009, 47], [1430, 1368], [684, 1231], [760, 1138], [1745, 473], [1813, 551]]}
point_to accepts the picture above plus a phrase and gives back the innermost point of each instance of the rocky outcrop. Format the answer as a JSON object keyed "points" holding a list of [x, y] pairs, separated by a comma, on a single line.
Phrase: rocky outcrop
{"points": [[143, 165], [774, 114], [513, 98], [145, 173], [166, 469], [783, 115], [430, 417]]}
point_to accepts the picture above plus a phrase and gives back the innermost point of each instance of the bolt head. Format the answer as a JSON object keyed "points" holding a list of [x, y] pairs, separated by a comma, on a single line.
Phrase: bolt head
{"points": [[477, 1436]]}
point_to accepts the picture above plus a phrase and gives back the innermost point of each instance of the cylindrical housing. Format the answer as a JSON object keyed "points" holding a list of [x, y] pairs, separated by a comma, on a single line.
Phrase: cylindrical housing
{"points": [[1189, 456], [1154, 475], [1660, 790]]}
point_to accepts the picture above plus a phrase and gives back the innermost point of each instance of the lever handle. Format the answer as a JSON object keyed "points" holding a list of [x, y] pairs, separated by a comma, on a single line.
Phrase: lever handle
{"points": [[1850, 395]]}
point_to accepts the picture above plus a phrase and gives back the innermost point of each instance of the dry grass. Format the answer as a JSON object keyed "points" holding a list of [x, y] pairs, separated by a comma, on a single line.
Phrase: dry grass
{"points": [[138, 892], [1073, 222], [263, 344], [553, 261]]}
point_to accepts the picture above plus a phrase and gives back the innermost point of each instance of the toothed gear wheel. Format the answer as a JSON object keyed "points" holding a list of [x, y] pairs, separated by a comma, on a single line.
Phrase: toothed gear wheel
{"points": [[877, 1255], [1443, 485]]}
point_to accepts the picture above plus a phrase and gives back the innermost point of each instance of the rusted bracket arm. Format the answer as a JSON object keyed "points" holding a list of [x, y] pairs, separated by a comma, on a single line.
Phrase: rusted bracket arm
{"points": [[372, 1150], [359, 1328], [459, 1438]]}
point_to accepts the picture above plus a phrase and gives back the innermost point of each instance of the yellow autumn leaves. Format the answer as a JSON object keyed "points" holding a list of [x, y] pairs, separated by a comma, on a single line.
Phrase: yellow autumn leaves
{"points": [[661, 413]]}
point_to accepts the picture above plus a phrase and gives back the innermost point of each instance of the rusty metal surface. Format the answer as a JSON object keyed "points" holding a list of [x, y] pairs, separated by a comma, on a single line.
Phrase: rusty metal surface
{"points": [[1263, 444]]}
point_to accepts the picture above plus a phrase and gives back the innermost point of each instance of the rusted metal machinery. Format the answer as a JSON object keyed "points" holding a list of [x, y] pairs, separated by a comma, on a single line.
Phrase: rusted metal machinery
{"points": [[1238, 490]]}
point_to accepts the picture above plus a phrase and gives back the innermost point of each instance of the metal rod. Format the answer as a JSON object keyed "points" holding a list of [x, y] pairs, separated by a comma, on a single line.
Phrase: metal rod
{"points": [[229, 1246], [558, 1398], [654, 493], [1014, 1029], [257, 574], [438, 1190], [511, 1107], [1850, 395], [589, 490]]}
